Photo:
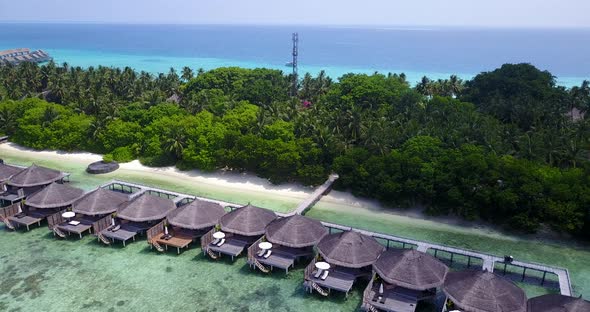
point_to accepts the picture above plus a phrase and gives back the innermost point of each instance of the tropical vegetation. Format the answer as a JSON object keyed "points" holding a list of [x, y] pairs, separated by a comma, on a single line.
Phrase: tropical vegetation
{"points": [[509, 146]]}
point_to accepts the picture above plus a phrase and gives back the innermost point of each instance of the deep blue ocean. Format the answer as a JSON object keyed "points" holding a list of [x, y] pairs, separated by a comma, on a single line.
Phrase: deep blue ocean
{"points": [[435, 52]]}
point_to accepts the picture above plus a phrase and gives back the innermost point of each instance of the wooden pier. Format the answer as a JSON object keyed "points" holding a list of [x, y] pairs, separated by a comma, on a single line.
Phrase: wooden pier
{"points": [[315, 196], [448, 254]]}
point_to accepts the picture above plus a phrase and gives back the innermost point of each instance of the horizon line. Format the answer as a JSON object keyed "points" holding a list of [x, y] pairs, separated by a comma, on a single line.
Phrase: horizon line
{"points": [[416, 27]]}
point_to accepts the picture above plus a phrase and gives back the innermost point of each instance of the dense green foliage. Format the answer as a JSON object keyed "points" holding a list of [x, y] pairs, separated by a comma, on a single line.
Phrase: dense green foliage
{"points": [[501, 147]]}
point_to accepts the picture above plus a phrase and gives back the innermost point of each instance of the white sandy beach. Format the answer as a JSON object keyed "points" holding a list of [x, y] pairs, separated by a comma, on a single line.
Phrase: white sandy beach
{"points": [[242, 182]]}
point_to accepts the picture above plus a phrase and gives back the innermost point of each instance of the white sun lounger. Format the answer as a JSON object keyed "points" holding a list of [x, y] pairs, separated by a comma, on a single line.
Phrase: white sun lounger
{"points": [[317, 275], [268, 253], [325, 275], [221, 242]]}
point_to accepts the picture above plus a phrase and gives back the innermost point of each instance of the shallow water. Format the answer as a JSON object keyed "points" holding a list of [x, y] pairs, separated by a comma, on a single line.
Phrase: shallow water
{"points": [[41, 273]]}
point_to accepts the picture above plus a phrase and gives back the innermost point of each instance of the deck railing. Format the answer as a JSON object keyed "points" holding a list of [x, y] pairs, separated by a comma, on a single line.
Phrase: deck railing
{"points": [[309, 269], [253, 250], [102, 224], [206, 239], [367, 292], [155, 231], [10, 211], [55, 219]]}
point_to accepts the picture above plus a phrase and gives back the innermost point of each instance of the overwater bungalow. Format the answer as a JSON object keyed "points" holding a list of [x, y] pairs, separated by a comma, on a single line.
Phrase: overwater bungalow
{"points": [[185, 224], [133, 218], [51, 200], [557, 303], [29, 181], [239, 229], [7, 172], [482, 291], [402, 278], [87, 210], [346, 257], [286, 241]]}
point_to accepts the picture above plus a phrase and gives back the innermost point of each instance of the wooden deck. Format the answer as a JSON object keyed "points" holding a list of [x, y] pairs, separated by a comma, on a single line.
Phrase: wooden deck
{"points": [[121, 235], [177, 238], [25, 220], [232, 247], [392, 300]]}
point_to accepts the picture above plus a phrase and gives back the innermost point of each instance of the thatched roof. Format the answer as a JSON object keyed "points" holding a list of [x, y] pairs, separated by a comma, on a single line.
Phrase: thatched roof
{"points": [[54, 195], [350, 249], [295, 231], [35, 176], [145, 208], [100, 202], [197, 215], [248, 220], [411, 269], [557, 303], [7, 171], [483, 291]]}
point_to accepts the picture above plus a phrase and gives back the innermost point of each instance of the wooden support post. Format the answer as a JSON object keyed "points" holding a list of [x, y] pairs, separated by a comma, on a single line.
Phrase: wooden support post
{"points": [[505, 264], [523, 273], [468, 261], [452, 254], [435, 252], [387, 244], [543, 279]]}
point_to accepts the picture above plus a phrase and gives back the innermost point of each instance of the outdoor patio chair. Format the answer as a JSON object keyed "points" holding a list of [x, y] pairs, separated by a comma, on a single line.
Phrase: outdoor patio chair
{"points": [[325, 275]]}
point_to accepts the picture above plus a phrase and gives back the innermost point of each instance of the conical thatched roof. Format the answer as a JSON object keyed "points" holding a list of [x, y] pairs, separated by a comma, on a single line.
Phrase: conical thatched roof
{"points": [[197, 215], [483, 291], [350, 249], [99, 202], [145, 208], [34, 176], [295, 231], [54, 195], [7, 171], [411, 269], [557, 303], [248, 220]]}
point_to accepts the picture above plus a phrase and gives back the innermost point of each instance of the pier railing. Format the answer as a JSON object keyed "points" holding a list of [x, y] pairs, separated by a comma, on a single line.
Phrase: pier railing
{"points": [[468, 258]]}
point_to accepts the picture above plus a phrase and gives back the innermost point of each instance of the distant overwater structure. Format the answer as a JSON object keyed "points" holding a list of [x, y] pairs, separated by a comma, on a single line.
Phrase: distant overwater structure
{"points": [[21, 55]]}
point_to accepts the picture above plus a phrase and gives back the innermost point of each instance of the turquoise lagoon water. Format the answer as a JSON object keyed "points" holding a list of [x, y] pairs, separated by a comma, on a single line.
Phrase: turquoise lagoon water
{"points": [[434, 52]]}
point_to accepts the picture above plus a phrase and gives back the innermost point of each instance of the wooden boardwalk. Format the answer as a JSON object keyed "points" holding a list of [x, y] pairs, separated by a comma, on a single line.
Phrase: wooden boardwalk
{"points": [[315, 196]]}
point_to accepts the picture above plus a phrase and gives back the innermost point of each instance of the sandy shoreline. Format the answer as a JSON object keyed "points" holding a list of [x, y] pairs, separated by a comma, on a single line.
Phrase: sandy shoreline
{"points": [[243, 182]]}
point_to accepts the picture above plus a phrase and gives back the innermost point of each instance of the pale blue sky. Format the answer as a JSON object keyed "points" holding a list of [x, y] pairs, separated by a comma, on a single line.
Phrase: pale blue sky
{"points": [[487, 13]]}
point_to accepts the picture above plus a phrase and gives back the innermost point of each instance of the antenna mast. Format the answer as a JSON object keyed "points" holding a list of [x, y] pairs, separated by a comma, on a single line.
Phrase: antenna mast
{"points": [[294, 63]]}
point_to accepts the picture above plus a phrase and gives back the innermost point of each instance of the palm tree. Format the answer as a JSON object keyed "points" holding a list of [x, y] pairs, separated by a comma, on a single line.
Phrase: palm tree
{"points": [[176, 143], [187, 74], [8, 120]]}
